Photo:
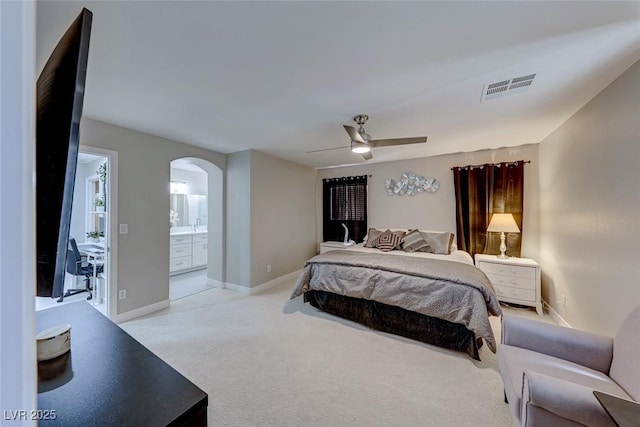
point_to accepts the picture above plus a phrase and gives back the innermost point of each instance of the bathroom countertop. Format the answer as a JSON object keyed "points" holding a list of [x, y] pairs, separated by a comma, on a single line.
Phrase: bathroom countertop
{"points": [[185, 232]]}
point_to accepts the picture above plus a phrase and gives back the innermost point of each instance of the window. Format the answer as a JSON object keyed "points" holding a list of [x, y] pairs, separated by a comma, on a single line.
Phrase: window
{"points": [[344, 202]]}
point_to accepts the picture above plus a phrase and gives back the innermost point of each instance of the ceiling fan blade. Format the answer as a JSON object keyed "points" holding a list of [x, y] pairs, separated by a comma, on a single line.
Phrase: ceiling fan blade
{"points": [[327, 149], [367, 155], [353, 134], [397, 141]]}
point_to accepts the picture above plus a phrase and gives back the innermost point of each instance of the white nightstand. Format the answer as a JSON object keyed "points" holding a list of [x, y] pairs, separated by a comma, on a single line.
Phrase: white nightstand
{"points": [[515, 280], [332, 246]]}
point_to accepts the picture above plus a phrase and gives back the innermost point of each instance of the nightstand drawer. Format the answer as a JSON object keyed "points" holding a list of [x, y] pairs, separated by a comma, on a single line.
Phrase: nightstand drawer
{"points": [[515, 280], [515, 293], [512, 281], [508, 270]]}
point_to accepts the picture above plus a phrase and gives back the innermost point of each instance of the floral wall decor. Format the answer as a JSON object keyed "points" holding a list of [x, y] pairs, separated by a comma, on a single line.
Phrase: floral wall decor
{"points": [[411, 184]]}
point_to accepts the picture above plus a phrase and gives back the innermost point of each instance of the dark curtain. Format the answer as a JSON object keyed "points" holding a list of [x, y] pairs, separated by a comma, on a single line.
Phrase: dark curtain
{"points": [[481, 191], [344, 201]]}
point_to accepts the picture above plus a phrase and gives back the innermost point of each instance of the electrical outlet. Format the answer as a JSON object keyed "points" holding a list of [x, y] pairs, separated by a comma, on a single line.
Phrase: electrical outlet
{"points": [[563, 301], [122, 294], [124, 228], [268, 268]]}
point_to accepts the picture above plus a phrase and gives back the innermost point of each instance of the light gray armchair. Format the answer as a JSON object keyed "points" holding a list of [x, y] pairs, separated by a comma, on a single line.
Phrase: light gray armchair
{"points": [[550, 372]]}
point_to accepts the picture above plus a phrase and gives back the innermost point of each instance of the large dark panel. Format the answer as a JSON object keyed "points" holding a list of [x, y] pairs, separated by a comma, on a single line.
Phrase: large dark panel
{"points": [[60, 95]]}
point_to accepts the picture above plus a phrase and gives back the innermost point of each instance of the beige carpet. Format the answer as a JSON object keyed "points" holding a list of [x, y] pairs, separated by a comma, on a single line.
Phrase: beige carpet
{"points": [[267, 361]]}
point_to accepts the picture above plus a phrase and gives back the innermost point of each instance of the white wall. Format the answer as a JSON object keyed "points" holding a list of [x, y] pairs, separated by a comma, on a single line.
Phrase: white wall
{"points": [[17, 210], [270, 217], [143, 203], [196, 181], [436, 211], [589, 209], [78, 228], [78, 210]]}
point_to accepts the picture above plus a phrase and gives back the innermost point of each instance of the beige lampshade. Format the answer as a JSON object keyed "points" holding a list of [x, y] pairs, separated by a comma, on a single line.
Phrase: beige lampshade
{"points": [[503, 222]]}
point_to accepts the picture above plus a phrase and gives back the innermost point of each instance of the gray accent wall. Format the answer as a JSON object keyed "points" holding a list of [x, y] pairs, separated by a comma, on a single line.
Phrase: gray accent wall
{"points": [[436, 211], [143, 203], [270, 217], [282, 216], [238, 218], [589, 209]]}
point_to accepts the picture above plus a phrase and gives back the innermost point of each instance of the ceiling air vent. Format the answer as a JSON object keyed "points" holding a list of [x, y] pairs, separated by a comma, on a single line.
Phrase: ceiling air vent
{"points": [[507, 87]]}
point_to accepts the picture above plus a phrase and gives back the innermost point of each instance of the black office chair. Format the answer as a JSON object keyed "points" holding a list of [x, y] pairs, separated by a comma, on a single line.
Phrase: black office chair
{"points": [[77, 265]]}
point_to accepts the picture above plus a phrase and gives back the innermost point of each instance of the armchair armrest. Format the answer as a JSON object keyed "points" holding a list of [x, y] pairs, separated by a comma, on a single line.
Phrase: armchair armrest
{"points": [[562, 398], [584, 348]]}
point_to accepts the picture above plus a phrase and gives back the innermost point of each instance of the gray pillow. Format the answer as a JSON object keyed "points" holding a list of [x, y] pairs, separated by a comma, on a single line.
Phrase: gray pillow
{"points": [[439, 243], [413, 241], [372, 235]]}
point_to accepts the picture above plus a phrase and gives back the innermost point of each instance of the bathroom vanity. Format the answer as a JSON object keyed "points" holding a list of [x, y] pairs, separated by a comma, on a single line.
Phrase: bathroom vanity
{"points": [[188, 250]]}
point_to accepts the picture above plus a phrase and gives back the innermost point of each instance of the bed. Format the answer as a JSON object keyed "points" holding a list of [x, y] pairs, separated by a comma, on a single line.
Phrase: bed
{"points": [[439, 299]]}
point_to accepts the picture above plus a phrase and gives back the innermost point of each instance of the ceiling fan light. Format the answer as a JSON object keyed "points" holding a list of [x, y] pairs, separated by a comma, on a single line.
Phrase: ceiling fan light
{"points": [[359, 147]]}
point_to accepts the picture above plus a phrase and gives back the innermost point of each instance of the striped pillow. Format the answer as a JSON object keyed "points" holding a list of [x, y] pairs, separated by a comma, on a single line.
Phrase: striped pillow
{"points": [[387, 241], [413, 241]]}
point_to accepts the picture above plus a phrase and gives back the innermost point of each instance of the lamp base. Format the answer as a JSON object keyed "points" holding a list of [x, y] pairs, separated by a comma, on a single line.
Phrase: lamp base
{"points": [[503, 247]]}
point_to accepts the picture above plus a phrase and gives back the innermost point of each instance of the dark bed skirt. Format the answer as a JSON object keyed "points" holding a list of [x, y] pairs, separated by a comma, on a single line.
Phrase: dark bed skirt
{"points": [[398, 321]]}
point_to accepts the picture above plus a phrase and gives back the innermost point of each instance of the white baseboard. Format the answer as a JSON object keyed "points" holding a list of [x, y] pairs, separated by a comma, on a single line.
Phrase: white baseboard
{"points": [[237, 288], [555, 316], [256, 289], [215, 283], [142, 311], [275, 282]]}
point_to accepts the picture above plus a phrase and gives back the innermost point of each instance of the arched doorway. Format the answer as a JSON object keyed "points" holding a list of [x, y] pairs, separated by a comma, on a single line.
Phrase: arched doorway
{"points": [[196, 232]]}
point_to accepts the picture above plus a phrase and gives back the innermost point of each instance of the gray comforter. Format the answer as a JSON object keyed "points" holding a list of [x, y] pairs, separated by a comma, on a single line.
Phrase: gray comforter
{"points": [[453, 291]]}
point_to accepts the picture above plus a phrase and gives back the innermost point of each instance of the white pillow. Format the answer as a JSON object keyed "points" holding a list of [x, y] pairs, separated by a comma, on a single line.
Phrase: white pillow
{"points": [[438, 246], [454, 246]]}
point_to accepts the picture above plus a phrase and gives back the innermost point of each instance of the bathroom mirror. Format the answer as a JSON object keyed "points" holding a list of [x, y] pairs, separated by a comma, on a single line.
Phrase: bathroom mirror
{"points": [[190, 209]]}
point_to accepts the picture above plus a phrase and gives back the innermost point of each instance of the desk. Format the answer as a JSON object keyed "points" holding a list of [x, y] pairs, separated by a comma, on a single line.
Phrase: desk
{"points": [[624, 413], [110, 379], [95, 257]]}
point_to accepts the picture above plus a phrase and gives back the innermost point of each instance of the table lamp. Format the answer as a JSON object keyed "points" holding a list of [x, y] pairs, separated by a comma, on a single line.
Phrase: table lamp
{"points": [[502, 223]]}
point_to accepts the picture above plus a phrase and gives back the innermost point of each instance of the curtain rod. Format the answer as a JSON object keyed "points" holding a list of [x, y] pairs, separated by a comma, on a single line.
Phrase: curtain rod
{"points": [[492, 164], [346, 178]]}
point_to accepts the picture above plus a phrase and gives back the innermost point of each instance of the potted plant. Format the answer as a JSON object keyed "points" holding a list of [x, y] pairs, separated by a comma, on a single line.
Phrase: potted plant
{"points": [[173, 218], [99, 204], [102, 176], [93, 236], [102, 173]]}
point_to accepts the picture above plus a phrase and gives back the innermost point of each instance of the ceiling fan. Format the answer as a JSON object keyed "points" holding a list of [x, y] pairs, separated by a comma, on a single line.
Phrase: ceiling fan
{"points": [[361, 142]]}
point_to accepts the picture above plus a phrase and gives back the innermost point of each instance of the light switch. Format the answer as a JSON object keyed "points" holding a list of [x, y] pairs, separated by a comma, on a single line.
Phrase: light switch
{"points": [[124, 228]]}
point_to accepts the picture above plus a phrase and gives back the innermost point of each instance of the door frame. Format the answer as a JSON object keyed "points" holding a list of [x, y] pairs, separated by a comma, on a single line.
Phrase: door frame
{"points": [[111, 240]]}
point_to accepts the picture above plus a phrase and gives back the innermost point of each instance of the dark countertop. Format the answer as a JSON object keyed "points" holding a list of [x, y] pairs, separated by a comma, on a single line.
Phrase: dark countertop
{"points": [[109, 378], [624, 412]]}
